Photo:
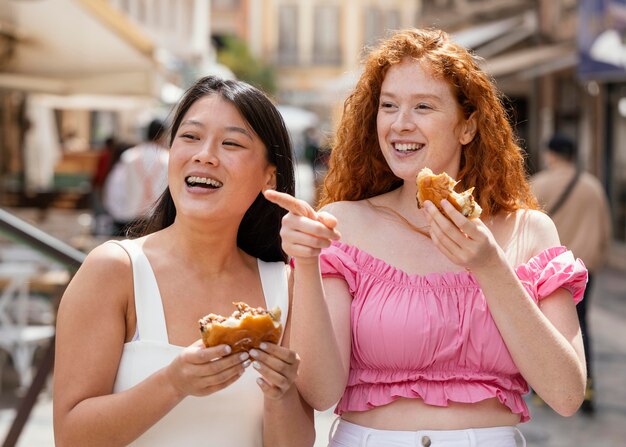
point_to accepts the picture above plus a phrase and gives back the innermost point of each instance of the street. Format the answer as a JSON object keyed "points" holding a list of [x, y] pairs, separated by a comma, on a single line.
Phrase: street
{"points": [[607, 428]]}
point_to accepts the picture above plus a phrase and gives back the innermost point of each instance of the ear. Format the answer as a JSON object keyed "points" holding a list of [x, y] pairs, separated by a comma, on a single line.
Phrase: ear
{"points": [[270, 178], [468, 130]]}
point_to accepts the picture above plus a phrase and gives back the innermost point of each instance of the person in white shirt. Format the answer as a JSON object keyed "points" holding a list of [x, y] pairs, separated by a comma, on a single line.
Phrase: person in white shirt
{"points": [[137, 180]]}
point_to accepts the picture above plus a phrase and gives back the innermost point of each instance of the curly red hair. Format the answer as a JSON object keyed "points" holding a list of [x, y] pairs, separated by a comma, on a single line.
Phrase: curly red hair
{"points": [[492, 162]]}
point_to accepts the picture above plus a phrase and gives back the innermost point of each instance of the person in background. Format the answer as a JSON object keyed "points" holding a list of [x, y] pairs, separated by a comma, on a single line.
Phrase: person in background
{"points": [[316, 152], [425, 326], [137, 179], [130, 367], [103, 167], [577, 203]]}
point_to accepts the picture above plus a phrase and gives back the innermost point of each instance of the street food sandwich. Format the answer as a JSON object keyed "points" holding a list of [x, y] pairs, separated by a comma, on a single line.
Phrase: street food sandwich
{"points": [[245, 329], [436, 187]]}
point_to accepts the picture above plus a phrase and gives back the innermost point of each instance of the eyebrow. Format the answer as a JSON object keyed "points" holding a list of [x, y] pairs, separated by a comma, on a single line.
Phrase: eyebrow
{"points": [[414, 96], [195, 123], [240, 130]]}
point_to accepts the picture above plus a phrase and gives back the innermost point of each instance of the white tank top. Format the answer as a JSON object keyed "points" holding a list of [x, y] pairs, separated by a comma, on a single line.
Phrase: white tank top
{"points": [[233, 416]]}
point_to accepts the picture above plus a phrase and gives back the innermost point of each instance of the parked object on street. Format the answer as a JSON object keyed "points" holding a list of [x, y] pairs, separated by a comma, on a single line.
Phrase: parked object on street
{"points": [[577, 203]]}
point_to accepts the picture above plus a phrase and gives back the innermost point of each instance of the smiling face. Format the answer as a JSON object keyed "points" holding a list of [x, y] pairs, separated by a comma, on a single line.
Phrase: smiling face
{"points": [[419, 122], [218, 165]]}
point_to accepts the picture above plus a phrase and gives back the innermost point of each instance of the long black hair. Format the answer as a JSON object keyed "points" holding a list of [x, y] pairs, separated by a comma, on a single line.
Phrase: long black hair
{"points": [[258, 233]]}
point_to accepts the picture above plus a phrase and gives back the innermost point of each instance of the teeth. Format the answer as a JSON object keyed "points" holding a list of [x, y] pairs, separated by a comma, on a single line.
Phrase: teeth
{"points": [[208, 181], [407, 146]]}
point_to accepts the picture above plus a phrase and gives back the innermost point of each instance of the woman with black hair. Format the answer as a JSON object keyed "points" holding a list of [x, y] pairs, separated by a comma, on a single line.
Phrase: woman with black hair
{"points": [[130, 367]]}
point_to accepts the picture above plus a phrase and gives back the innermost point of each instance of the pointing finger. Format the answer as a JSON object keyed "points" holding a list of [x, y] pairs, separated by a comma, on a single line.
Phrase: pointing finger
{"points": [[290, 203]]}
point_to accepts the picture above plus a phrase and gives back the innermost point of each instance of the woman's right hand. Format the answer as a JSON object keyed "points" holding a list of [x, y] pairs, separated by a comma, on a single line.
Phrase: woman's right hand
{"points": [[200, 371], [304, 231]]}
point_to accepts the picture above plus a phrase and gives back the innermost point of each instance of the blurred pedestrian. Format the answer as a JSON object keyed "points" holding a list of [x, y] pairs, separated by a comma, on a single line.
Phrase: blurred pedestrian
{"points": [[316, 152], [103, 167], [130, 367], [423, 324], [137, 179], [577, 203]]}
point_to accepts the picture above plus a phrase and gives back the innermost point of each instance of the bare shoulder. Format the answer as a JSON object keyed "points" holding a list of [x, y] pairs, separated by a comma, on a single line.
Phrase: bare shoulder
{"points": [[540, 229], [106, 271], [352, 217]]}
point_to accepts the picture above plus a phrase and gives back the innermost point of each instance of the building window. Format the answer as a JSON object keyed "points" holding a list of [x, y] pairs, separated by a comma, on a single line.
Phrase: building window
{"points": [[326, 41], [378, 22], [288, 35], [225, 4]]}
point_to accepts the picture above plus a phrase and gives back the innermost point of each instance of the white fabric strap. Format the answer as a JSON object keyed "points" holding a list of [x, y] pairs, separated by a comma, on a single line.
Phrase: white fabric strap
{"points": [[275, 287], [148, 306]]}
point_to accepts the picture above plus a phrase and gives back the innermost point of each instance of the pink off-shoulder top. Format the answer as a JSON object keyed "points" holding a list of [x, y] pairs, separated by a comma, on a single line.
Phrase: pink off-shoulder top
{"points": [[432, 337]]}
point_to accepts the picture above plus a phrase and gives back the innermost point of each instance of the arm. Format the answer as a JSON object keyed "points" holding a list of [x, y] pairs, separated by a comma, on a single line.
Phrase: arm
{"points": [[321, 328], [544, 340], [91, 330]]}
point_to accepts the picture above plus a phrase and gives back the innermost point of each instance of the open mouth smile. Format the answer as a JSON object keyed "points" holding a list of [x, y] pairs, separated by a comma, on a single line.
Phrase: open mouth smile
{"points": [[203, 182]]}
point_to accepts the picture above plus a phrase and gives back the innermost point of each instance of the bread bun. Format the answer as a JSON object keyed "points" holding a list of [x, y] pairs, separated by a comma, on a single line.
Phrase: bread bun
{"points": [[245, 329], [438, 187]]}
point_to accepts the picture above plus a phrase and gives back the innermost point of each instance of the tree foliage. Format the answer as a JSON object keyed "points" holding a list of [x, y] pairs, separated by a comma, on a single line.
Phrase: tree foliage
{"points": [[235, 54]]}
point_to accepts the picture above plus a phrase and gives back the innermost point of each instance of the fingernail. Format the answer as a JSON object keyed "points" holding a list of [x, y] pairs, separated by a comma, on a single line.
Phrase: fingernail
{"points": [[263, 346], [243, 356], [260, 382], [227, 350], [254, 353], [246, 363], [256, 365]]}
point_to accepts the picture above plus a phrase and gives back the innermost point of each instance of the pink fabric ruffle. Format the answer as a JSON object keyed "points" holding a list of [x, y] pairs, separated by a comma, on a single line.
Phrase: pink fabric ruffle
{"points": [[551, 269]]}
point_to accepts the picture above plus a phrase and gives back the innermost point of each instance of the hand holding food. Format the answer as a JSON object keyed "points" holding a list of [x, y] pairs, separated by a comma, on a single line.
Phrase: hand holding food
{"points": [[438, 187], [246, 328]]}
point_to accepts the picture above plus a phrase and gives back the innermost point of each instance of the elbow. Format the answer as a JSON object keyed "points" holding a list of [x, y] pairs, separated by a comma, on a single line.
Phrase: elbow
{"points": [[569, 404], [321, 401]]}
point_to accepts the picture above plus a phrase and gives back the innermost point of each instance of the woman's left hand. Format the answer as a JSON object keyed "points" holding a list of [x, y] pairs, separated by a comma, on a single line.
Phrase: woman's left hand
{"points": [[278, 367], [466, 242]]}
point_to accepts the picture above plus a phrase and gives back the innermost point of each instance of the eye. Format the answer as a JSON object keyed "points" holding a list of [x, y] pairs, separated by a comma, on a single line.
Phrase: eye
{"points": [[188, 136], [423, 106], [231, 143], [386, 105]]}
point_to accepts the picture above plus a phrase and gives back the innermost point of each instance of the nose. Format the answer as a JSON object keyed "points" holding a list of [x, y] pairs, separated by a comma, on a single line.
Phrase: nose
{"points": [[403, 122], [207, 154]]}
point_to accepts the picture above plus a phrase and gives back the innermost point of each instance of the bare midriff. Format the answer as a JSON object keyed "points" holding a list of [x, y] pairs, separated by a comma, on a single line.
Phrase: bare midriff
{"points": [[413, 414]]}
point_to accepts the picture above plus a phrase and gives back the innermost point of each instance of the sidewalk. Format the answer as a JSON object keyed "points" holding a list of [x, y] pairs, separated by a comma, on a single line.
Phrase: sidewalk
{"points": [[607, 428]]}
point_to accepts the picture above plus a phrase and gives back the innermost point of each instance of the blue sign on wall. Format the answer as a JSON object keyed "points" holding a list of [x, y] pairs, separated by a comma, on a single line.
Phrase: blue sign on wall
{"points": [[602, 39]]}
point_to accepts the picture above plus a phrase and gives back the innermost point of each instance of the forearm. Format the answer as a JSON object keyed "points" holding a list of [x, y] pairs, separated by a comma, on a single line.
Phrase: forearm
{"points": [[322, 375], [117, 419], [546, 357], [288, 421]]}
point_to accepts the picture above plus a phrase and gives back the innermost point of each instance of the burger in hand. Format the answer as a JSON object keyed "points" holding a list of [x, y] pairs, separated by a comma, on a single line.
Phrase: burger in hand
{"points": [[245, 329], [436, 187]]}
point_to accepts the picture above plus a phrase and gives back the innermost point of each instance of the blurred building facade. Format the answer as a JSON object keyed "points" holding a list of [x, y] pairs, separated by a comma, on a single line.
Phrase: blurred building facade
{"points": [[99, 64], [532, 48], [74, 72]]}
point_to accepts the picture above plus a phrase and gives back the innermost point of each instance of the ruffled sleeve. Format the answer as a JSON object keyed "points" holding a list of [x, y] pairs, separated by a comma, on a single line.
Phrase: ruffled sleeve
{"points": [[551, 269], [336, 261]]}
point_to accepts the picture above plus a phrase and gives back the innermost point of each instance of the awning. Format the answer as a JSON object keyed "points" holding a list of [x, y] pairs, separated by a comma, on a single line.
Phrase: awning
{"points": [[532, 62], [476, 36], [491, 38], [79, 46]]}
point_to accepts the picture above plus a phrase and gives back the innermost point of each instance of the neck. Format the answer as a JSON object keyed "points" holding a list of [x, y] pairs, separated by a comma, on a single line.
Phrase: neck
{"points": [[213, 251], [401, 204]]}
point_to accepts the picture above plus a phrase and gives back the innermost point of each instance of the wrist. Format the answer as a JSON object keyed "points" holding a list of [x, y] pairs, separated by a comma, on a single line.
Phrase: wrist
{"points": [[312, 262], [168, 379]]}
